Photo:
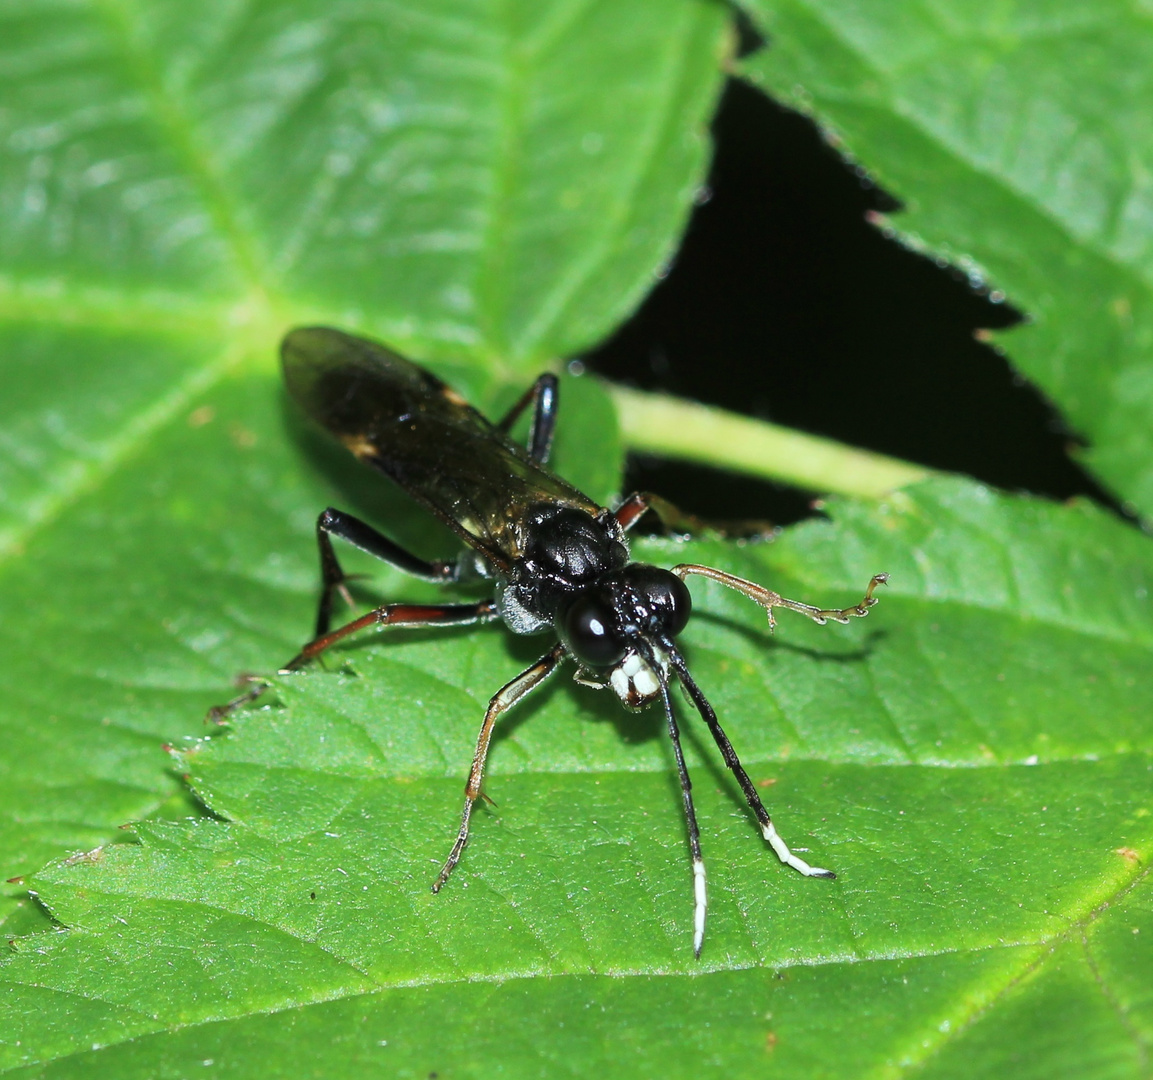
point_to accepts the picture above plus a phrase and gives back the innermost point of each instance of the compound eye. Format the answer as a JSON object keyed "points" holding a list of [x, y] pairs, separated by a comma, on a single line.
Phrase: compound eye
{"points": [[678, 604], [590, 633], [668, 596]]}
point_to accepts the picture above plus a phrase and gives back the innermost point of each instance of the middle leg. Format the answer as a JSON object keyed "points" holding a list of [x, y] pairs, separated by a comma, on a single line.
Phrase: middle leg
{"points": [[402, 615], [333, 579], [680, 522], [671, 516], [542, 395]]}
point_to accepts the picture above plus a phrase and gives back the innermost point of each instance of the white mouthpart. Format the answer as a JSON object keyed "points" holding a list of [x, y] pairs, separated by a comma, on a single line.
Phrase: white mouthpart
{"points": [[646, 683], [633, 680], [631, 664], [787, 857], [620, 682], [700, 907]]}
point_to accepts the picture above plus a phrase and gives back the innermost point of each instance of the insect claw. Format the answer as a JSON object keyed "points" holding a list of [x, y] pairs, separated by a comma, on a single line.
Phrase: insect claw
{"points": [[256, 686]]}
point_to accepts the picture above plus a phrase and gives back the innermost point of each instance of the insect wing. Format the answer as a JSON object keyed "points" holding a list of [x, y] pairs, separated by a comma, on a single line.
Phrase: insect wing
{"points": [[403, 420]]}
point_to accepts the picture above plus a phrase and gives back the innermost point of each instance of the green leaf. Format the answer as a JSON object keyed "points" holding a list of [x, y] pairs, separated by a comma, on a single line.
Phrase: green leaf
{"points": [[974, 761], [1020, 140], [498, 181], [487, 186]]}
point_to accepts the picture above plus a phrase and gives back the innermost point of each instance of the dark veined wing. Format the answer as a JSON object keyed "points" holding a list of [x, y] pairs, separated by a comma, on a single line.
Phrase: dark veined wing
{"points": [[404, 421]]}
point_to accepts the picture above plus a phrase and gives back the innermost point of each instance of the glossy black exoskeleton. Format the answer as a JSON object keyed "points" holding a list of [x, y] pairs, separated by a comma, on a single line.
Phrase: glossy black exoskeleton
{"points": [[559, 562]]}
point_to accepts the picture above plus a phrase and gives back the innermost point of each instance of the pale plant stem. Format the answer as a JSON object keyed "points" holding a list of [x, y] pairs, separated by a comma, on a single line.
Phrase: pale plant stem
{"points": [[688, 431]]}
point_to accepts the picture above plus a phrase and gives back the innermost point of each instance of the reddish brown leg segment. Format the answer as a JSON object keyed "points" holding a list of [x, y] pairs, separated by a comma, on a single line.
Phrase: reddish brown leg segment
{"points": [[672, 517], [503, 700], [402, 615]]}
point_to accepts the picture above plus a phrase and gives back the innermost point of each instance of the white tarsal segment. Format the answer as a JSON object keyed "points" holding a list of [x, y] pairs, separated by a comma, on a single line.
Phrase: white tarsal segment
{"points": [[786, 856], [702, 905]]}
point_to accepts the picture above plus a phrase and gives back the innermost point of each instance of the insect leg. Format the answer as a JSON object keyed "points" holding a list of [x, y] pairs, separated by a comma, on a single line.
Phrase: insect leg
{"points": [[542, 395], [402, 615], [681, 522], [337, 523], [733, 762], [672, 518], [507, 696], [769, 599], [700, 895]]}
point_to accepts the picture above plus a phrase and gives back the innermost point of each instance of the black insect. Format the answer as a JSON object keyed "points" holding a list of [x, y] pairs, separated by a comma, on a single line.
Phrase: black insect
{"points": [[559, 562]]}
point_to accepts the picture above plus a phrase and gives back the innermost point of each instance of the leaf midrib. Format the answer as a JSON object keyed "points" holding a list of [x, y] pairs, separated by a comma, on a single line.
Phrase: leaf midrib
{"points": [[929, 1047], [174, 126], [173, 120]]}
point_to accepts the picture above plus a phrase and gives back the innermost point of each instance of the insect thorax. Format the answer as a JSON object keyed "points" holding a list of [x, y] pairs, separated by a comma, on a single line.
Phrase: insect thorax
{"points": [[563, 552]]}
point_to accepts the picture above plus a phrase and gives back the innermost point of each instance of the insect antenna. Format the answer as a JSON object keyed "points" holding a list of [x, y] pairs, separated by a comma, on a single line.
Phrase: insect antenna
{"points": [[700, 895], [768, 830]]}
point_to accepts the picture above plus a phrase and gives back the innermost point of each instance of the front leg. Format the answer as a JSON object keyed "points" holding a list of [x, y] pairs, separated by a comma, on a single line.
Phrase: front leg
{"points": [[768, 599], [503, 700]]}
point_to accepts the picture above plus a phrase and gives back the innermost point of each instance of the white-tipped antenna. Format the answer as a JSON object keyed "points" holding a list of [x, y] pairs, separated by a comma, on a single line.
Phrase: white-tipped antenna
{"points": [[700, 893], [738, 770]]}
